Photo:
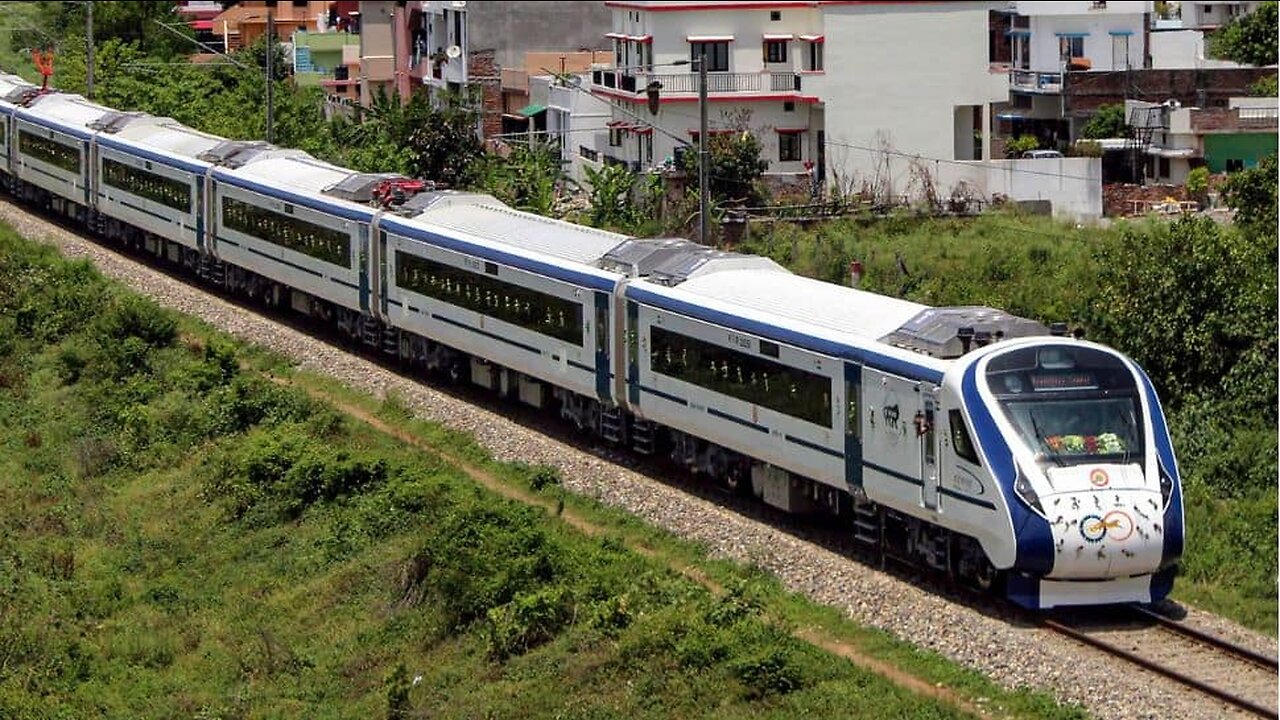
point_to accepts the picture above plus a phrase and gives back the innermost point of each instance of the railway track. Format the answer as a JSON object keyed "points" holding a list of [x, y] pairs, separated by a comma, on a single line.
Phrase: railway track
{"points": [[1202, 662]]}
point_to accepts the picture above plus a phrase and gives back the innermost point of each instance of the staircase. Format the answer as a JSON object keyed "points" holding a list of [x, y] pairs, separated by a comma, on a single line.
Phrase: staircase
{"points": [[613, 424], [866, 524], [643, 438]]}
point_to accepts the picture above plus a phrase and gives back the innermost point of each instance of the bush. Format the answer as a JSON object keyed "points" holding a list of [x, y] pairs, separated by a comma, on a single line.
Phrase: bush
{"points": [[1107, 122], [772, 672], [529, 620], [1015, 147], [1198, 183]]}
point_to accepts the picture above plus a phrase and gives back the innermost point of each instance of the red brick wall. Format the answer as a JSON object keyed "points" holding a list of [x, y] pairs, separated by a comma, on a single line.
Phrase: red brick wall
{"points": [[1085, 91], [485, 74]]}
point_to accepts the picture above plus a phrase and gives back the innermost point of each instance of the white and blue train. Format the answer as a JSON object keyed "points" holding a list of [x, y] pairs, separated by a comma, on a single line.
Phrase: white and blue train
{"points": [[961, 438]]}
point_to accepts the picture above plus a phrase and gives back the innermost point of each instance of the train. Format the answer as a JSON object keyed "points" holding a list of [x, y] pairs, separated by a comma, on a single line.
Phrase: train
{"points": [[1011, 455]]}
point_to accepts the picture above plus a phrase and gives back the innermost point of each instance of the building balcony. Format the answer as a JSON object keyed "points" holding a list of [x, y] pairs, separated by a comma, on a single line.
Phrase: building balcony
{"points": [[686, 84], [1035, 81]]}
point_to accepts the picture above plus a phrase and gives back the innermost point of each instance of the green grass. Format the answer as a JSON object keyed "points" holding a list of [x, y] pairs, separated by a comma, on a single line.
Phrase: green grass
{"points": [[180, 536]]}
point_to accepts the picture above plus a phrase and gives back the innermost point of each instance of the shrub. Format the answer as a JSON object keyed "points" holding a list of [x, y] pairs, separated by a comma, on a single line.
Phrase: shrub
{"points": [[773, 672], [529, 620], [1015, 147], [1198, 183], [1107, 122]]}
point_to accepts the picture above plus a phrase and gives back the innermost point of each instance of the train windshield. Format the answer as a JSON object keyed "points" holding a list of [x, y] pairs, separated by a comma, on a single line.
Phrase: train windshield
{"points": [[1070, 404]]}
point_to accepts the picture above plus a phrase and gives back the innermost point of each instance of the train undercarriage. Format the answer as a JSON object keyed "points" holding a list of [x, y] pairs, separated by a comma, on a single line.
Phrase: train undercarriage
{"points": [[882, 533]]}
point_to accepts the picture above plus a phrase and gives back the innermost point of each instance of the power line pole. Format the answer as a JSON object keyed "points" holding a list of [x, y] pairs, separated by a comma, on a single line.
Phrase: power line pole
{"points": [[271, 47], [88, 31], [704, 197]]}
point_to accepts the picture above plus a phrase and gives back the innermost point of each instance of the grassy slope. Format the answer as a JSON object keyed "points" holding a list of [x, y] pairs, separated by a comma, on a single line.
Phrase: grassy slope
{"points": [[179, 537]]}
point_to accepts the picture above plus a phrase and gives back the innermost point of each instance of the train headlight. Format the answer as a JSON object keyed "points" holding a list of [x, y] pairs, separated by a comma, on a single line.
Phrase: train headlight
{"points": [[1166, 488], [1027, 494]]}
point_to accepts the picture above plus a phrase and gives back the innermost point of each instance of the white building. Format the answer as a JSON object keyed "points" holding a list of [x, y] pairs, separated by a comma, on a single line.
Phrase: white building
{"points": [[1049, 39], [574, 119], [822, 83], [440, 44], [1177, 139], [1178, 41]]}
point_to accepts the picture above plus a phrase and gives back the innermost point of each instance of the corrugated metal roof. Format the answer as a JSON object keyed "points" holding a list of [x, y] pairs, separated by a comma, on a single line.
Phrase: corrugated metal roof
{"points": [[805, 301], [526, 231]]}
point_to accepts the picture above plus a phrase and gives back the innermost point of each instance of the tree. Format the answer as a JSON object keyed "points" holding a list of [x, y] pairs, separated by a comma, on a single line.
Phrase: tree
{"points": [[136, 22], [1107, 122], [1015, 147], [1249, 39], [1252, 194]]}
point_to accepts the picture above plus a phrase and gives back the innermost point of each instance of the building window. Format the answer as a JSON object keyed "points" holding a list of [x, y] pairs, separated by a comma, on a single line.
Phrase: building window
{"points": [[1234, 164], [49, 151], [157, 188], [788, 106], [1098, 5], [717, 55], [1072, 47], [775, 51], [323, 243], [1164, 167], [743, 376], [615, 137], [813, 56], [515, 304], [775, 15], [788, 147]]}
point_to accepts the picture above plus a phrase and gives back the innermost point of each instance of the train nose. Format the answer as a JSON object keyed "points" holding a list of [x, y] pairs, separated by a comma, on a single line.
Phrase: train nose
{"points": [[1106, 531]]}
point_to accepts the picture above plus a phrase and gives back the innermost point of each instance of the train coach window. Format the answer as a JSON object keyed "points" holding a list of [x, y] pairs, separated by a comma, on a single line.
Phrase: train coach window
{"points": [[322, 243], [960, 439], [508, 302], [53, 152], [744, 376], [166, 191]]}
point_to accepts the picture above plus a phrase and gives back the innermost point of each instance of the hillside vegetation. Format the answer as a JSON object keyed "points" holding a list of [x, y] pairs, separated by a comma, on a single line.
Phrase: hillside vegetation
{"points": [[181, 535]]}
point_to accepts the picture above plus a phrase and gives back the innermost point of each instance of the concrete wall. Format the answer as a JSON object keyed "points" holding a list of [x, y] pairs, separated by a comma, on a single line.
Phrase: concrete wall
{"points": [[882, 89], [1182, 49], [1072, 185], [513, 28]]}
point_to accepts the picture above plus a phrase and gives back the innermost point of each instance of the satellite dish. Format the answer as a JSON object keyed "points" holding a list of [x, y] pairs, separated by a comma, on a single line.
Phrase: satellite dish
{"points": [[453, 52]]}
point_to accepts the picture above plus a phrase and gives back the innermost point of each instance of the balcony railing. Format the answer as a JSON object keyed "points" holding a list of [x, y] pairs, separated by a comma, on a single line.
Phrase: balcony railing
{"points": [[1033, 80], [687, 83]]}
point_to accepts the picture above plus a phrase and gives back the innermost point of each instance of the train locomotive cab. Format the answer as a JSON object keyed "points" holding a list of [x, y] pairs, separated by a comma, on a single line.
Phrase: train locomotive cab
{"points": [[1077, 442]]}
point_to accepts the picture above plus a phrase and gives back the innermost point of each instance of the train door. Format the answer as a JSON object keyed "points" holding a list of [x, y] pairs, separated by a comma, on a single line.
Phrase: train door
{"points": [[927, 434], [853, 425], [362, 265], [602, 346]]}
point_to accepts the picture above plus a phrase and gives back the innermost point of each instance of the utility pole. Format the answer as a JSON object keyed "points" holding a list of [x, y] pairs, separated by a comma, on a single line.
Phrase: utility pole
{"points": [[704, 153], [88, 31], [271, 47]]}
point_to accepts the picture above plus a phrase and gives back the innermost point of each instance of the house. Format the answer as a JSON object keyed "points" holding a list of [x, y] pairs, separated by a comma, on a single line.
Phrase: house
{"points": [[1048, 43], [240, 25], [1179, 36], [1177, 139], [525, 93], [330, 60], [823, 85]]}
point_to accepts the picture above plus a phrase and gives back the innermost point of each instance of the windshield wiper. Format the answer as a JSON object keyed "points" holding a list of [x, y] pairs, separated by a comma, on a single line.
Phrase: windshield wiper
{"points": [[1044, 440]]}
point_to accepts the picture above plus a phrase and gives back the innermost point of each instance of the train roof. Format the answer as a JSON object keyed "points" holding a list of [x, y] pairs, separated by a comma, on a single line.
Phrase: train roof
{"points": [[798, 300], [72, 113], [486, 217], [162, 134], [292, 175], [15, 90]]}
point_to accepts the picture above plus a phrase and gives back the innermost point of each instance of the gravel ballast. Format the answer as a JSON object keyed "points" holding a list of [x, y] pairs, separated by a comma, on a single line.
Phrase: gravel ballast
{"points": [[1009, 654]]}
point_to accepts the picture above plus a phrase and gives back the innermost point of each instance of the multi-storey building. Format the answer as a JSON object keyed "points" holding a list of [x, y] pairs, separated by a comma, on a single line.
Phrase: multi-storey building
{"points": [[825, 85], [1178, 40], [1049, 41], [1177, 139]]}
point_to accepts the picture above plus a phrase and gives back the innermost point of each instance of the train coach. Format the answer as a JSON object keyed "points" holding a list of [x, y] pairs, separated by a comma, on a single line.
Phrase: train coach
{"points": [[985, 445]]}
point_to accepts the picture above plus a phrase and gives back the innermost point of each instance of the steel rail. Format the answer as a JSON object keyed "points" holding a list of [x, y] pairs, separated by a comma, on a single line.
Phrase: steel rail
{"points": [[1168, 672], [1180, 628]]}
